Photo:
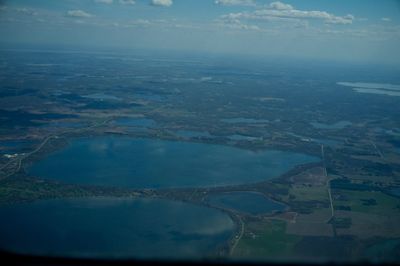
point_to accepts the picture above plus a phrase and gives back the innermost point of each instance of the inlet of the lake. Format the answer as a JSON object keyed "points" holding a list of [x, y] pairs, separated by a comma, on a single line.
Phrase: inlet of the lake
{"points": [[246, 201]]}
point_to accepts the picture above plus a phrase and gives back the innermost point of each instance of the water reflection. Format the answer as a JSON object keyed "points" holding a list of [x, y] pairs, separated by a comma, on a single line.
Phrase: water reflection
{"points": [[113, 228]]}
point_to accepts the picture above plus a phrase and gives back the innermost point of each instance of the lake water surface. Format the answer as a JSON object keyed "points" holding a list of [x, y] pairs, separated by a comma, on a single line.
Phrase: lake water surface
{"points": [[373, 88], [193, 134], [101, 96], [134, 122], [337, 125], [328, 142], [151, 163], [250, 202], [395, 191], [113, 228], [238, 137], [15, 146], [241, 120]]}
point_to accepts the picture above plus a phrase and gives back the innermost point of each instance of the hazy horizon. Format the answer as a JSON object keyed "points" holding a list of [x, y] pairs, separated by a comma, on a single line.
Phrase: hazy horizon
{"points": [[352, 31]]}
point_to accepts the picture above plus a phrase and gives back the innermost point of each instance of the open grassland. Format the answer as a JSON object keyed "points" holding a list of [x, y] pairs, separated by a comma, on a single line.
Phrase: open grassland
{"points": [[313, 224], [370, 213], [366, 225], [370, 202], [266, 239], [308, 193], [314, 176]]}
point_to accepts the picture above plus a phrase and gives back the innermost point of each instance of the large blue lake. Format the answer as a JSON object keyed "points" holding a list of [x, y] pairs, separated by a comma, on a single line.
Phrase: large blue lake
{"points": [[113, 228], [150, 163]]}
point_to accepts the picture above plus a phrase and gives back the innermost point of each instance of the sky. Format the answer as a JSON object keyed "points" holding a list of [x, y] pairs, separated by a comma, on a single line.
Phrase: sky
{"points": [[344, 30]]}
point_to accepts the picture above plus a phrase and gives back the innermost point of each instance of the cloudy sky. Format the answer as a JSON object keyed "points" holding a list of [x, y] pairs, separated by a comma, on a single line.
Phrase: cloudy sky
{"points": [[353, 30]]}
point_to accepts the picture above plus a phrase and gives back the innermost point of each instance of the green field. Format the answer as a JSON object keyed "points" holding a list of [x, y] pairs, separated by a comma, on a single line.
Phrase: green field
{"points": [[266, 239], [372, 202]]}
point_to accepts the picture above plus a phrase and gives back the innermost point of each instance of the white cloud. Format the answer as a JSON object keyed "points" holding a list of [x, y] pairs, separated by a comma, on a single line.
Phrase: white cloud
{"points": [[104, 1], [161, 2], [26, 11], [79, 14], [240, 26], [386, 19], [235, 2], [282, 11], [280, 6], [127, 2], [142, 22], [138, 23]]}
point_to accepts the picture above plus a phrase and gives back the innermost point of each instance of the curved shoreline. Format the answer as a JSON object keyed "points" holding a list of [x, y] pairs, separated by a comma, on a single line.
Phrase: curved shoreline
{"points": [[148, 193]]}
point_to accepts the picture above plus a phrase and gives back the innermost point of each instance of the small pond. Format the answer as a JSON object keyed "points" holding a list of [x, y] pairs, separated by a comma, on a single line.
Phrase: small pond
{"points": [[249, 202]]}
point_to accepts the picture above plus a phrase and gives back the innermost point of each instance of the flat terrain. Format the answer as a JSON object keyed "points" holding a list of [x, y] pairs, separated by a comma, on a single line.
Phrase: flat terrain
{"points": [[343, 205]]}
